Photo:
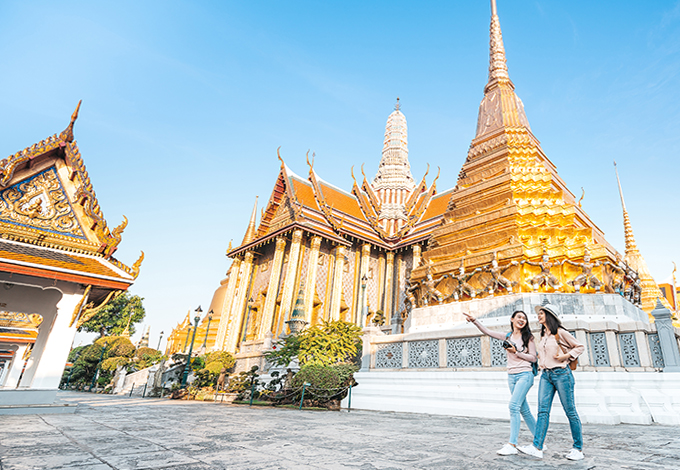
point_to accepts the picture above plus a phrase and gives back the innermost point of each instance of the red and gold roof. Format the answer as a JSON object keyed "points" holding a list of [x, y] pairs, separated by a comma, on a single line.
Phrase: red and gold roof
{"points": [[51, 224], [323, 209]]}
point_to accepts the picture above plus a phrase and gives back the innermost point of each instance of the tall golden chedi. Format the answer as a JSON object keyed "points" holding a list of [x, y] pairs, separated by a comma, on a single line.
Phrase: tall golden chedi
{"points": [[511, 206]]}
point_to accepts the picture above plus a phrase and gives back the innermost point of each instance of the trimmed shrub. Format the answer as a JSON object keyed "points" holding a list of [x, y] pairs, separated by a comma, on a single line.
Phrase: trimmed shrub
{"points": [[112, 363]]}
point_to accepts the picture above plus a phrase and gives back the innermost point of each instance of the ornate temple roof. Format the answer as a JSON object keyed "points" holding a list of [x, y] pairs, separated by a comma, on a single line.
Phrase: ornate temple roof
{"points": [[321, 208], [51, 224]]}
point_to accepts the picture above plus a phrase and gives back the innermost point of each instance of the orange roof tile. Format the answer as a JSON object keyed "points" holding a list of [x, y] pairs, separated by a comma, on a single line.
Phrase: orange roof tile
{"points": [[57, 260], [304, 193], [341, 201], [437, 205], [17, 335]]}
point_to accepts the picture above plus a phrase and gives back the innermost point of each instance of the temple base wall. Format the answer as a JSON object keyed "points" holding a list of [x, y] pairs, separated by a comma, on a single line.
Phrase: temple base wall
{"points": [[442, 364], [601, 397]]}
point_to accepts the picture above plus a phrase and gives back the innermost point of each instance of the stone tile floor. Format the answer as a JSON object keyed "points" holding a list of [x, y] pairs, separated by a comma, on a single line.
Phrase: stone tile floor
{"points": [[133, 433]]}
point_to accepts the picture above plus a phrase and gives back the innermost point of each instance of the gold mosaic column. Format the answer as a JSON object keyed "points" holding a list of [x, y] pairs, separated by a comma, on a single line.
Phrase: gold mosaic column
{"points": [[310, 282], [389, 286], [363, 296], [380, 303], [398, 280], [289, 280], [272, 288], [416, 256], [336, 295], [236, 316], [226, 307]]}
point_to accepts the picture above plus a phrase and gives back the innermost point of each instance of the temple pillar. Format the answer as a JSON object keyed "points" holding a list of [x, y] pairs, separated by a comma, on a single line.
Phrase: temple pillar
{"points": [[381, 284], [52, 356], [363, 293], [289, 280], [336, 294], [396, 292], [226, 306], [416, 256], [310, 282], [272, 288], [13, 371], [236, 316], [389, 287]]}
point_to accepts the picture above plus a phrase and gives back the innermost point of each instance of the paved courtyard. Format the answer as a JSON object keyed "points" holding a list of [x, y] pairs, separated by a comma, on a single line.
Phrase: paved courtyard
{"points": [[132, 433]]}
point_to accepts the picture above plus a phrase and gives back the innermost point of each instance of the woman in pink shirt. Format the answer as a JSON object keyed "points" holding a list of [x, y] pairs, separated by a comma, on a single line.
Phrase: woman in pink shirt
{"points": [[521, 351], [556, 349]]}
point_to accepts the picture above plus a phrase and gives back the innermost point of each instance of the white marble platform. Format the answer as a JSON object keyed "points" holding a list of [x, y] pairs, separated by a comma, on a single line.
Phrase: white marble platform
{"points": [[601, 397]]}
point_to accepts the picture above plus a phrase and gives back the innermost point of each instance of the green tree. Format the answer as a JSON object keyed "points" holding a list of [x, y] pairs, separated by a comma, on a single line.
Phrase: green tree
{"points": [[329, 343], [114, 317], [284, 351]]}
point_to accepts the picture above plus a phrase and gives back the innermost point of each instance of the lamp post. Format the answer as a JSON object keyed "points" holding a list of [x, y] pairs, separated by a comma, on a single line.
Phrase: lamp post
{"points": [[207, 330], [364, 280], [96, 371], [197, 318], [186, 340], [244, 332], [159, 341]]}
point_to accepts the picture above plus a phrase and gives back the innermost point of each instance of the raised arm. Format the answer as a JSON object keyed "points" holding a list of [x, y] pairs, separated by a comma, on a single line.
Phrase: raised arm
{"points": [[483, 329]]}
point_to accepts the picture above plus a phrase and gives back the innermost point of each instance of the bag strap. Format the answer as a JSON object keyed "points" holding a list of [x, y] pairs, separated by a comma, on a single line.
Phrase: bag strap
{"points": [[508, 335], [557, 339]]}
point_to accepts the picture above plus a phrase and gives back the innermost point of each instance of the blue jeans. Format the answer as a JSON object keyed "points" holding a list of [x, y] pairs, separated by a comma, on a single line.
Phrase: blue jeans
{"points": [[562, 381], [519, 387]]}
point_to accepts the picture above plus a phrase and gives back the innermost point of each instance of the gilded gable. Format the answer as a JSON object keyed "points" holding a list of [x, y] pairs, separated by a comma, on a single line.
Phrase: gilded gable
{"points": [[40, 202]]}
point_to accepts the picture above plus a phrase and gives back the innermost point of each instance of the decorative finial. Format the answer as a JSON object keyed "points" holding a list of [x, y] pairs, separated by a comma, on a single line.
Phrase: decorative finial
{"points": [[67, 134], [278, 154], [398, 105]]}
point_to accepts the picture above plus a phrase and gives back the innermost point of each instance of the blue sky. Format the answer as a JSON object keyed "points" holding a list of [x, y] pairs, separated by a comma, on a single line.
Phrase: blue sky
{"points": [[185, 103]]}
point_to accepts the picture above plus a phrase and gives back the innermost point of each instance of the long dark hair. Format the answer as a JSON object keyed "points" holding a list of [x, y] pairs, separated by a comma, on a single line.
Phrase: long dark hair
{"points": [[553, 323], [526, 332]]}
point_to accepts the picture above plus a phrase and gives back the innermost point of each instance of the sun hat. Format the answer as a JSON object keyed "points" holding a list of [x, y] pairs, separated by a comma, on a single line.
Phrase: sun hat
{"points": [[553, 309]]}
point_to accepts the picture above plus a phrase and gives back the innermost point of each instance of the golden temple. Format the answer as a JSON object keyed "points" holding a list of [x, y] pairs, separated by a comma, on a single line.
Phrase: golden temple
{"points": [[509, 225], [56, 261]]}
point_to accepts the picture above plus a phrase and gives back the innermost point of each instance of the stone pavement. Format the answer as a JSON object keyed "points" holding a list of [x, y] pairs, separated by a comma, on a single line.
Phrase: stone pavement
{"points": [[112, 432]]}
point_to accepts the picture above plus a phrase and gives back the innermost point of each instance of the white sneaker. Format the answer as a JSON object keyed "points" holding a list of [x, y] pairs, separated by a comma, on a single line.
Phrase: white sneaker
{"points": [[507, 449], [531, 450], [575, 454]]}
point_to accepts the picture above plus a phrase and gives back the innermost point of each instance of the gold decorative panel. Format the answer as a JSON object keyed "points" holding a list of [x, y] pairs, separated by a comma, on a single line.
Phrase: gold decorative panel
{"points": [[40, 202]]}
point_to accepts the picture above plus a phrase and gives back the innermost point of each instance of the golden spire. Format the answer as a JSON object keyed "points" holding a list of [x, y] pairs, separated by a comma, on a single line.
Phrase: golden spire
{"points": [[501, 108], [498, 68], [250, 232], [634, 259], [631, 246]]}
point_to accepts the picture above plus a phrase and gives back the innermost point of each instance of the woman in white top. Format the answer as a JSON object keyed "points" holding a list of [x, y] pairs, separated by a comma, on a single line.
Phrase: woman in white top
{"points": [[521, 351]]}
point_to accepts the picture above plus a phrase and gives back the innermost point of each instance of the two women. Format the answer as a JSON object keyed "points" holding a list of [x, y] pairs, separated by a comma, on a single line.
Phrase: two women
{"points": [[521, 352], [557, 348]]}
